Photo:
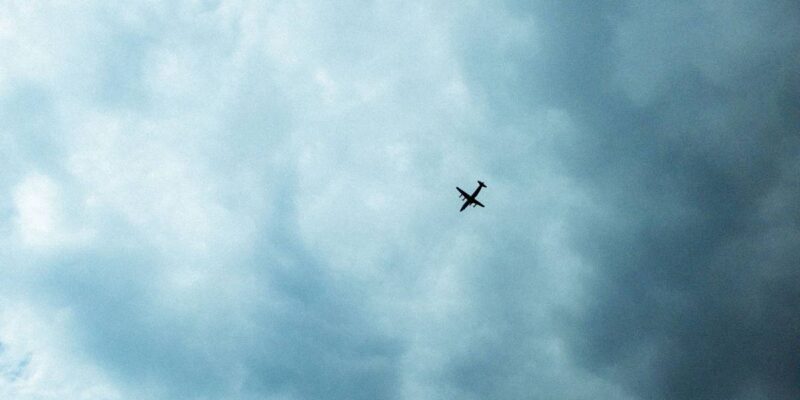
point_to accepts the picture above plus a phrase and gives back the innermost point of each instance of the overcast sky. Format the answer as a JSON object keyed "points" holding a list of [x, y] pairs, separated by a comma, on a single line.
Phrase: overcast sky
{"points": [[256, 200]]}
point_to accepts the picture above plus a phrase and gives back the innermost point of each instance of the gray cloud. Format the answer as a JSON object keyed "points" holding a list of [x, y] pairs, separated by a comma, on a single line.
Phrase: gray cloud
{"points": [[694, 291], [686, 130], [230, 200]]}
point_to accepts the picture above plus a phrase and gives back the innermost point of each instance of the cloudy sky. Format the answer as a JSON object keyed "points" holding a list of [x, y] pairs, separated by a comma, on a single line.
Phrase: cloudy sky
{"points": [[241, 199]]}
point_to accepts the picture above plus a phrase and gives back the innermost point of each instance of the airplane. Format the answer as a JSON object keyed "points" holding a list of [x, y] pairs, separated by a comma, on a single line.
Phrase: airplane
{"points": [[470, 199]]}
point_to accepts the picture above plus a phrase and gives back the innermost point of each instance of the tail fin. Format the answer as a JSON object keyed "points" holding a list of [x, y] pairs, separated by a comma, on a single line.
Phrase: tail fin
{"points": [[481, 183]]}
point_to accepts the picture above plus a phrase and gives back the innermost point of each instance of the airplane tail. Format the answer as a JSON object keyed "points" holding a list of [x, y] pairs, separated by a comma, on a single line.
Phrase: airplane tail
{"points": [[481, 183]]}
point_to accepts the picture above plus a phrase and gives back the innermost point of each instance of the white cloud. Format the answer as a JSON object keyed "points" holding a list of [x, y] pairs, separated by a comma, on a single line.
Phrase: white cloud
{"points": [[39, 360], [40, 48], [40, 216], [161, 184]]}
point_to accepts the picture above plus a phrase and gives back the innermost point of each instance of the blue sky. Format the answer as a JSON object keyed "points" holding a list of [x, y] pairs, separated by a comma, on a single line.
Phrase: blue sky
{"points": [[256, 200]]}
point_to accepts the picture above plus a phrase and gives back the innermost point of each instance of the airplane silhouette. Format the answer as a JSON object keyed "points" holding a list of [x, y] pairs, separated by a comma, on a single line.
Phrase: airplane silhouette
{"points": [[470, 199]]}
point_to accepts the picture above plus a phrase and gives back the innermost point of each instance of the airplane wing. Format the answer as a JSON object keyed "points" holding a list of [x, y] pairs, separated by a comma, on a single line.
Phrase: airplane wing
{"points": [[469, 200]]}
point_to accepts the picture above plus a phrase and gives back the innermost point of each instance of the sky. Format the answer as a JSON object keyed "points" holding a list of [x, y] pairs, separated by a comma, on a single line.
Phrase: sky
{"points": [[239, 199]]}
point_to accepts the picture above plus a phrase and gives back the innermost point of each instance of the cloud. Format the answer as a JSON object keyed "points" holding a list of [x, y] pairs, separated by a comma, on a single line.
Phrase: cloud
{"points": [[226, 199], [682, 164], [34, 353]]}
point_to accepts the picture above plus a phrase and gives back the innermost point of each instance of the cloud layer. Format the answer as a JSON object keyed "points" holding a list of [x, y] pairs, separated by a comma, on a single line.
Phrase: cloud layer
{"points": [[227, 199]]}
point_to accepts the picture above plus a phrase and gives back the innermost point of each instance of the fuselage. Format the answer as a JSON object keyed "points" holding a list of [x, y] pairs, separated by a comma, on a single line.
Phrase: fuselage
{"points": [[481, 185]]}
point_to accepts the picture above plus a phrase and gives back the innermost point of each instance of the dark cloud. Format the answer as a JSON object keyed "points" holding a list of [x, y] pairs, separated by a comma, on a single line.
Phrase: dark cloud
{"points": [[694, 235], [695, 292]]}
